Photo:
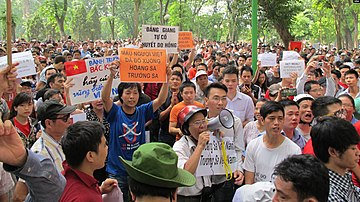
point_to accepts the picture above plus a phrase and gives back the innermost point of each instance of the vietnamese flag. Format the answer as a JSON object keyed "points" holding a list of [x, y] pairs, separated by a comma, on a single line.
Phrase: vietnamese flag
{"points": [[295, 44], [75, 67]]}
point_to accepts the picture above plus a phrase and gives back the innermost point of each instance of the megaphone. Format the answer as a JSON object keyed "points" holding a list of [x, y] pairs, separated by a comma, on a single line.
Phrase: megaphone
{"points": [[225, 119]]}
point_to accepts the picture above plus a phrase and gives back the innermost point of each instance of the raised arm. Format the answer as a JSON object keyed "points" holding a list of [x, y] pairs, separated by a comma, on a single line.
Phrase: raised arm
{"points": [[106, 91], [163, 92]]}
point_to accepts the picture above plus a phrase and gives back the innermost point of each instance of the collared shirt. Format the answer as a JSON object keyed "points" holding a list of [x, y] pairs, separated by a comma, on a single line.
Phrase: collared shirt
{"points": [[184, 148], [297, 138], [255, 90], [242, 105], [45, 182], [80, 186], [353, 120], [347, 92], [342, 188], [48, 147]]}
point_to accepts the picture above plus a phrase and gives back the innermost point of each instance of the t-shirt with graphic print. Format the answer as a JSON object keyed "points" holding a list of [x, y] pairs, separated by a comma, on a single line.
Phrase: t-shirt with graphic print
{"points": [[127, 133]]}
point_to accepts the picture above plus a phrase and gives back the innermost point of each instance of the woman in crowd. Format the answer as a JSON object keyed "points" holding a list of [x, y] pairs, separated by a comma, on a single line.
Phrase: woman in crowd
{"points": [[262, 82], [20, 112]]}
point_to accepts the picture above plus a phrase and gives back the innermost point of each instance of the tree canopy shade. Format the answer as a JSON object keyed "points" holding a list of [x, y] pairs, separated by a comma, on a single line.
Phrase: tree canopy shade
{"points": [[332, 22]]}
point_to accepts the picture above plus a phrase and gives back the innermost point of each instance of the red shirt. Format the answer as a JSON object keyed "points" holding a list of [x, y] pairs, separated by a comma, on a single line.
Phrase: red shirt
{"points": [[80, 186], [192, 73], [308, 149], [343, 85], [23, 128]]}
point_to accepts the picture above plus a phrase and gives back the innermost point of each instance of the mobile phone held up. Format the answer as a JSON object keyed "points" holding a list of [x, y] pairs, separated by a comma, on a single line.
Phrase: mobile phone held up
{"points": [[288, 92]]}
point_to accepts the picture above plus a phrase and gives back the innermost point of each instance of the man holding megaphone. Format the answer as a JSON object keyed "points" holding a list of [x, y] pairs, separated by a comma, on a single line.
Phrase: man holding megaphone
{"points": [[223, 120]]}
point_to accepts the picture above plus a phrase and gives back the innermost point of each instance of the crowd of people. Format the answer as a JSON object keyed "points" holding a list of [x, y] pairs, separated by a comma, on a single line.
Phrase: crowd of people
{"points": [[289, 147]]}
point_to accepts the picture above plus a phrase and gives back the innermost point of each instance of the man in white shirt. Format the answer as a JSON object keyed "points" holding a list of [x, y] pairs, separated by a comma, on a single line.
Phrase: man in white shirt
{"points": [[241, 104], [265, 152]]}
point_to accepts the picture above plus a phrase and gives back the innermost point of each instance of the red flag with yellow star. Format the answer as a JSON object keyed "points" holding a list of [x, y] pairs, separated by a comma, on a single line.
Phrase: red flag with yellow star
{"points": [[75, 67]]}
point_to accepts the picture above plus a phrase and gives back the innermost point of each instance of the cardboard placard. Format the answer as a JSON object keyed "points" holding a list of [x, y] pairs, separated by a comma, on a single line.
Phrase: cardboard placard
{"points": [[164, 37], [186, 40], [142, 65]]}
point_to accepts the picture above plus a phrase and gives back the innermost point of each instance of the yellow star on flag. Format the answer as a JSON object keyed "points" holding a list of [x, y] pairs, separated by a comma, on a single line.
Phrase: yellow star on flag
{"points": [[76, 67]]}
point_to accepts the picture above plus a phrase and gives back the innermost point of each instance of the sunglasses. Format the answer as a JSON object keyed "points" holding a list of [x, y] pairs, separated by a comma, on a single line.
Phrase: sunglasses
{"points": [[63, 118]]}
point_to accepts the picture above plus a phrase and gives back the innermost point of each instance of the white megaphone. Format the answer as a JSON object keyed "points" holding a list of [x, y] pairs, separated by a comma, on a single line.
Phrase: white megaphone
{"points": [[225, 119]]}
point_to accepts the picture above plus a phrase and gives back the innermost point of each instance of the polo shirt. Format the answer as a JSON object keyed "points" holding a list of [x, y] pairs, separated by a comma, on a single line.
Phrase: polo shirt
{"points": [[297, 138], [80, 186]]}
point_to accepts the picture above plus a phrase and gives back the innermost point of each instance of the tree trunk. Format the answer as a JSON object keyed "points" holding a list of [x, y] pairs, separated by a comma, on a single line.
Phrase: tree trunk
{"points": [[161, 13], [26, 10], [112, 20], [136, 17], [356, 30], [284, 34]]}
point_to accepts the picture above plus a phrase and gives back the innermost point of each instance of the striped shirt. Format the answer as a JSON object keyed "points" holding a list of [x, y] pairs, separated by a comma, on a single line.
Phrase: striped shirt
{"points": [[48, 147]]}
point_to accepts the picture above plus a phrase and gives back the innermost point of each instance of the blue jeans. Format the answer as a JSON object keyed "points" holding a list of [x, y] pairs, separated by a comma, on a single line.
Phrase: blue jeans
{"points": [[123, 185]]}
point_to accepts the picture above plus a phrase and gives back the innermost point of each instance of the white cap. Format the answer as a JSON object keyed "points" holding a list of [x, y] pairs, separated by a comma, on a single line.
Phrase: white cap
{"points": [[302, 97], [200, 73]]}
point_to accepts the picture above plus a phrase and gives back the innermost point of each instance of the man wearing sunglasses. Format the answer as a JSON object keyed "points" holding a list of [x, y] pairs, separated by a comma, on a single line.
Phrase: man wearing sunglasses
{"points": [[55, 119]]}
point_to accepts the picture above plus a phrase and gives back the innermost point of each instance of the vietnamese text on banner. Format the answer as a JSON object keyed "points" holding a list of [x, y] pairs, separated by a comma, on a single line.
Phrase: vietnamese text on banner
{"points": [[154, 36], [89, 78], [143, 65]]}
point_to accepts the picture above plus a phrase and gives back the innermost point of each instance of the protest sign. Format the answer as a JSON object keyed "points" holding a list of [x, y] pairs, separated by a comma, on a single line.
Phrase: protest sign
{"points": [[143, 65], [290, 55], [287, 67], [186, 40], [212, 161], [26, 62], [267, 59], [154, 36], [89, 78]]}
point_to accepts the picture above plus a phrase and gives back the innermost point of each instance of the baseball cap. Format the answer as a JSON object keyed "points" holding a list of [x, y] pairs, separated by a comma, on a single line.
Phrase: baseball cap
{"points": [[50, 108], [200, 73], [274, 88]]}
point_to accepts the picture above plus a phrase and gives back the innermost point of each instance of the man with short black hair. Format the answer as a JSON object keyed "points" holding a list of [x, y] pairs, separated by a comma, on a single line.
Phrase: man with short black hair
{"points": [[247, 87], [335, 144], [301, 178], [351, 80], [85, 149], [265, 152]]}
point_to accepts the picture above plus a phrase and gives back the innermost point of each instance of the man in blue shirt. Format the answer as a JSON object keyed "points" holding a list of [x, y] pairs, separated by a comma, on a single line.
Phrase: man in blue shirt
{"points": [[127, 123]]}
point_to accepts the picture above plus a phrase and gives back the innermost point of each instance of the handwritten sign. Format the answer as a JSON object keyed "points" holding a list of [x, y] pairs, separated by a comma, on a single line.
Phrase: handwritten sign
{"points": [[166, 37], [211, 160], [26, 62], [78, 117], [186, 40], [267, 59], [143, 65], [290, 55], [88, 85], [287, 67]]}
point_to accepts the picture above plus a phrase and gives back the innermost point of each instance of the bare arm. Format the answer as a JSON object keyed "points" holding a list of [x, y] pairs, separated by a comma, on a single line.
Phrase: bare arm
{"points": [[163, 94], [106, 91], [191, 59], [192, 163], [173, 129], [249, 177]]}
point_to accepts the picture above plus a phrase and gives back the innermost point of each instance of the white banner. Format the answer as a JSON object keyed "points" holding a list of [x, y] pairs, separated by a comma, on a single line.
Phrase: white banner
{"points": [[26, 62], [287, 67], [87, 86], [212, 162], [267, 59], [166, 37]]}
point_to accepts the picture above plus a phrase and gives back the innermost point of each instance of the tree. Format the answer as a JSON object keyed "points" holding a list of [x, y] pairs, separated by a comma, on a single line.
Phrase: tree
{"points": [[137, 4], [281, 13], [58, 10]]}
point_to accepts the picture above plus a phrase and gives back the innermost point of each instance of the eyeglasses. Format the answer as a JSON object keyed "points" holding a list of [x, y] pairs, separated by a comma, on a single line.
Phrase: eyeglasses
{"points": [[198, 123], [316, 90], [63, 118], [341, 113]]}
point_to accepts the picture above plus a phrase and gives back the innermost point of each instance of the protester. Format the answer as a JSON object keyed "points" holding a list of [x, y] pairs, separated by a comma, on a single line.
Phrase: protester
{"points": [[339, 153], [153, 173], [127, 124]]}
